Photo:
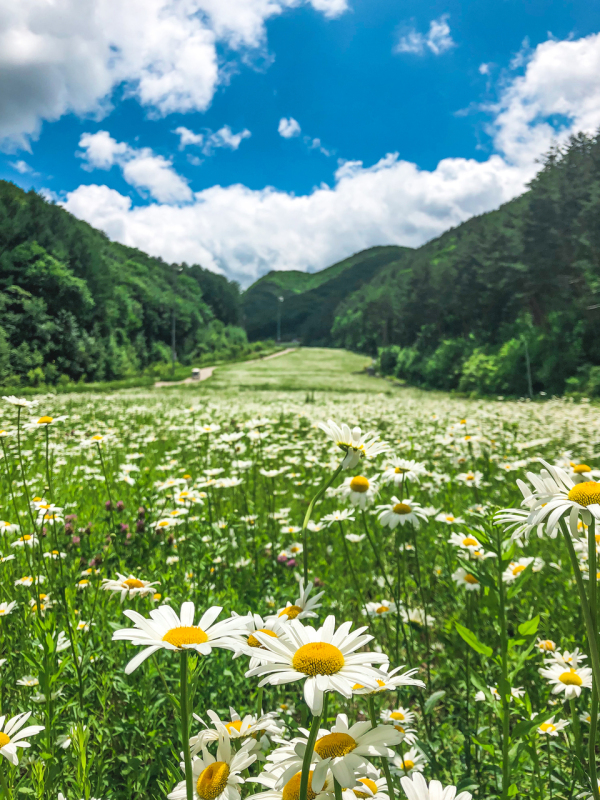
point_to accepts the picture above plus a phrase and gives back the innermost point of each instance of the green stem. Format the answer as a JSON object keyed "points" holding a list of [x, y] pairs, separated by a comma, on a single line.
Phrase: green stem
{"points": [[337, 789], [307, 517], [576, 731], [185, 725], [384, 761], [3, 785], [593, 600], [259, 702], [351, 568], [585, 607], [376, 554], [310, 746], [504, 687]]}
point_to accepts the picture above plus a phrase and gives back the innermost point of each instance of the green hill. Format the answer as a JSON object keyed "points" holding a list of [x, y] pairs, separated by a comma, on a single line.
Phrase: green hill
{"points": [[310, 300], [74, 305]]}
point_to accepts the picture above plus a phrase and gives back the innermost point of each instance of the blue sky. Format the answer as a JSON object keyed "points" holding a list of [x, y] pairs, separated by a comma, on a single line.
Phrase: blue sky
{"points": [[433, 82]]}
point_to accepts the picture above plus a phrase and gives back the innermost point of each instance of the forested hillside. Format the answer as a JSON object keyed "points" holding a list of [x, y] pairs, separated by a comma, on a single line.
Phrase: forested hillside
{"points": [[467, 310], [310, 299], [74, 305]]}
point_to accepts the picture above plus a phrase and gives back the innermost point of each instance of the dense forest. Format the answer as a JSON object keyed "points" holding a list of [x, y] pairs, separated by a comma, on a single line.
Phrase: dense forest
{"points": [[505, 303], [76, 306]]}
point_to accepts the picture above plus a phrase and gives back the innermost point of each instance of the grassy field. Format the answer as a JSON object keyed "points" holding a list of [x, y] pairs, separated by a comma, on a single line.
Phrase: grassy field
{"points": [[306, 369]]}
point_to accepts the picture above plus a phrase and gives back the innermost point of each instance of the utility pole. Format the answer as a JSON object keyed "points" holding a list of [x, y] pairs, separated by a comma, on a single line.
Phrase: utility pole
{"points": [[280, 301]]}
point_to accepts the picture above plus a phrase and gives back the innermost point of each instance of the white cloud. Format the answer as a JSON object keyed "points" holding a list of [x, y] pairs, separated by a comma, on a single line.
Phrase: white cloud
{"points": [[21, 166], [186, 137], [68, 55], [437, 40], [484, 69], [245, 233], [224, 137], [288, 127], [141, 168]]}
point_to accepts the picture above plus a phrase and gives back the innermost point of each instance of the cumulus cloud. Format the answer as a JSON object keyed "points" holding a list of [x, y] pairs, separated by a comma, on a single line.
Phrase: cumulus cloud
{"points": [[68, 56], [141, 168], [21, 166], [245, 233], [210, 141], [437, 40], [288, 127]]}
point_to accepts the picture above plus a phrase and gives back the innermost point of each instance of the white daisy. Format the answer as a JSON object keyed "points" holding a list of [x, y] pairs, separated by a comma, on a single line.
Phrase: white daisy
{"points": [[463, 578], [401, 469], [354, 444], [343, 750], [217, 778], [291, 790], [304, 606], [449, 519], [360, 491], [551, 728], [236, 728], [168, 631], [128, 586], [570, 680], [326, 659], [6, 608], [417, 789], [413, 761], [515, 568], [13, 735], [382, 609], [346, 515], [400, 512], [374, 787]]}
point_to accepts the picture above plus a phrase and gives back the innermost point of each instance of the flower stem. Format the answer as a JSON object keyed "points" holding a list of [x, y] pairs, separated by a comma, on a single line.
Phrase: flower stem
{"points": [[307, 517], [310, 746], [592, 590], [504, 686], [384, 761], [337, 789], [185, 725]]}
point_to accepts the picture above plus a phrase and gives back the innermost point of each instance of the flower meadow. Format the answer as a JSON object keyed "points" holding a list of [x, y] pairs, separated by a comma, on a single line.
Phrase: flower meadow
{"points": [[213, 597]]}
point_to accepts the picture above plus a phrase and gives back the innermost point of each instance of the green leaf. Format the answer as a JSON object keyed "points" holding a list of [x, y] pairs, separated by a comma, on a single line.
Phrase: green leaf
{"points": [[473, 641], [432, 700], [512, 790], [530, 627], [489, 748]]}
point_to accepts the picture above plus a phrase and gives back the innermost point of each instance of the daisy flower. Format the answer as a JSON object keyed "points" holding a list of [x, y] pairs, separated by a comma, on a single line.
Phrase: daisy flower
{"points": [[401, 469], [416, 789], [400, 512], [128, 586], [449, 519], [416, 616], [6, 608], [399, 716], [466, 541], [291, 790], [582, 472], [18, 401], [338, 516], [13, 735], [463, 578], [570, 680], [271, 626], [166, 630], [382, 609], [304, 606], [343, 750], [354, 444], [551, 728], [470, 478], [375, 788], [236, 728], [391, 681], [217, 778], [413, 761], [360, 491], [515, 568], [326, 659], [8, 527], [546, 645], [27, 540]]}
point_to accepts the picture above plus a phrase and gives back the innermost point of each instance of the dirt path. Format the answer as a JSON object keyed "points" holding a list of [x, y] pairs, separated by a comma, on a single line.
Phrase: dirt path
{"points": [[206, 372]]}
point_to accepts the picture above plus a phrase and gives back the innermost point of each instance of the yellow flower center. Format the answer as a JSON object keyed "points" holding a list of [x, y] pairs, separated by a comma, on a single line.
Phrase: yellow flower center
{"points": [[83, 582], [401, 508], [335, 745], [291, 612], [547, 644], [570, 678], [399, 728], [132, 583], [318, 658], [470, 579], [397, 715], [44, 420], [579, 468], [4, 739], [27, 537], [236, 725], [185, 635], [97, 438], [369, 784], [291, 791], [359, 484], [547, 727], [408, 764], [586, 494], [212, 780], [253, 641], [470, 476], [400, 470], [517, 569], [469, 541], [382, 609]]}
